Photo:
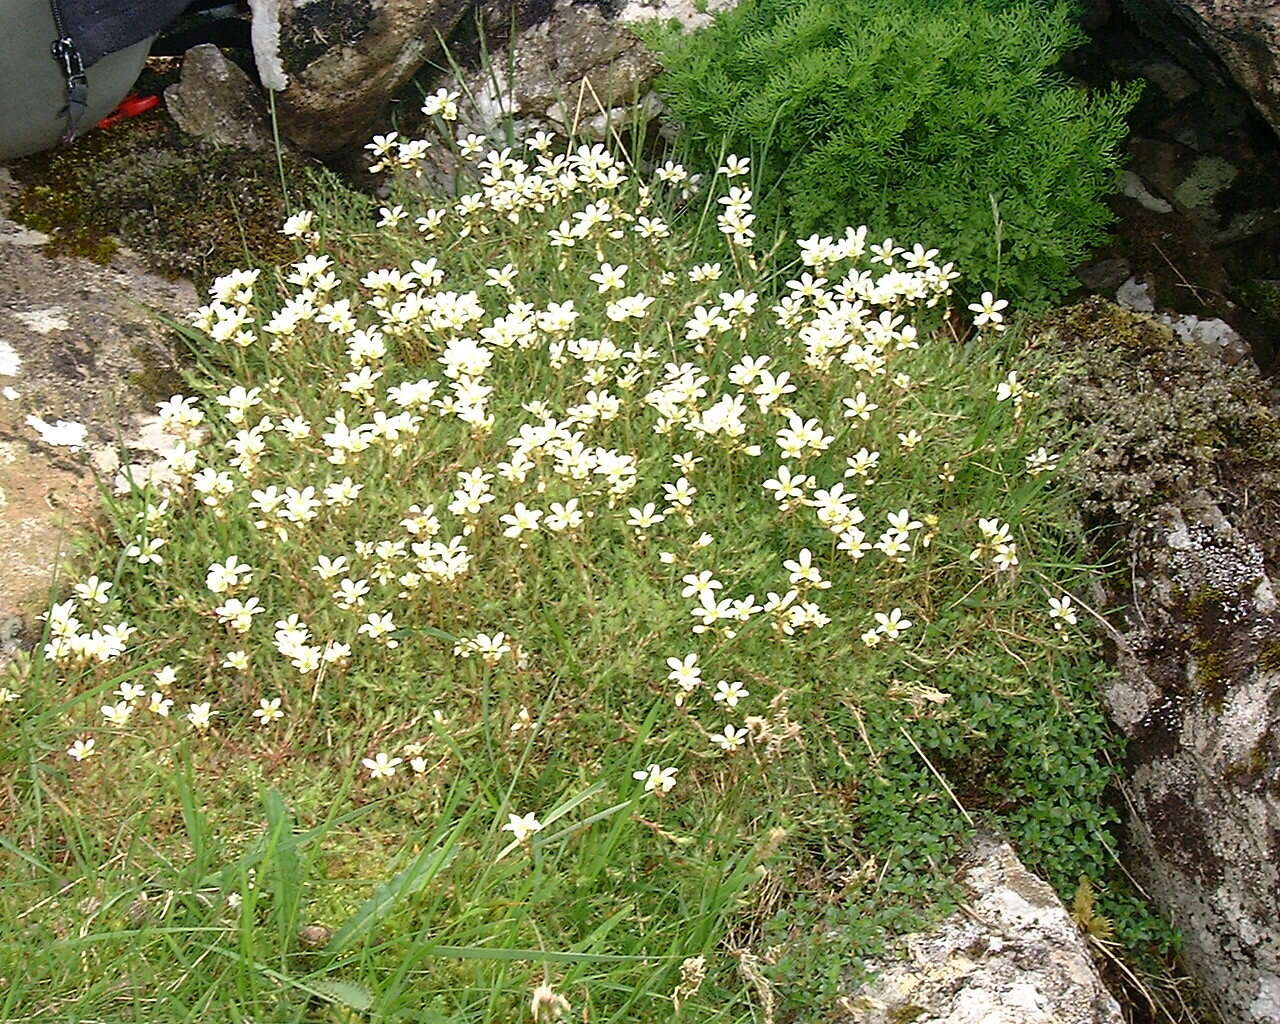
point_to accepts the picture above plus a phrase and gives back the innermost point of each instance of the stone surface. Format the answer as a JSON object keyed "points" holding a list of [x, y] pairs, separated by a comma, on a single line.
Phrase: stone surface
{"points": [[1135, 295], [1013, 955], [1213, 335], [575, 63], [1104, 275], [1199, 697], [81, 357], [1135, 188], [215, 100], [572, 66], [345, 59], [1243, 35]]}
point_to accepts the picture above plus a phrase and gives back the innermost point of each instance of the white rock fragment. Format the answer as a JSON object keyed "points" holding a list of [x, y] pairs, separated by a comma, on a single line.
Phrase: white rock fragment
{"points": [[10, 361], [1135, 295], [10, 394], [44, 321], [1135, 188], [105, 459], [265, 39], [61, 434]]}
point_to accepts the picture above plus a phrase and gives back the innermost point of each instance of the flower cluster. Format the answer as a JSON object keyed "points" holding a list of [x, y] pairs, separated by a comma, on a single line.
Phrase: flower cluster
{"points": [[451, 439]]}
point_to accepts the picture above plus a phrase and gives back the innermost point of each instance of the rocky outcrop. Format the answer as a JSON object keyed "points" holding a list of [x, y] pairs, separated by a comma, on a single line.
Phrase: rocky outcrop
{"points": [[572, 66], [1243, 34], [1012, 955], [1199, 698], [345, 59], [81, 360], [215, 100]]}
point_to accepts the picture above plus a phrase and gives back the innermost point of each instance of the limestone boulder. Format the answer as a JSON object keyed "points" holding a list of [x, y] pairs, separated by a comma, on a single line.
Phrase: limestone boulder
{"points": [[1013, 955], [1199, 697], [560, 66], [84, 354], [342, 61]]}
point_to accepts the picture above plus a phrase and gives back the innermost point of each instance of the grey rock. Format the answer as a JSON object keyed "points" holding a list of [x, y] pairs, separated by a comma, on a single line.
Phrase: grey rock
{"points": [[1170, 77], [575, 68], [690, 13], [1213, 335], [1104, 275], [79, 343], [346, 59], [1242, 35], [215, 100], [1135, 295], [1135, 188], [1199, 698], [1013, 956], [574, 65]]}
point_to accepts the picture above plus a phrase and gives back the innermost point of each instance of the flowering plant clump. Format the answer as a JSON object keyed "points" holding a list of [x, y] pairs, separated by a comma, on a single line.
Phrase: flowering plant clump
{"points": [[580, 547]]}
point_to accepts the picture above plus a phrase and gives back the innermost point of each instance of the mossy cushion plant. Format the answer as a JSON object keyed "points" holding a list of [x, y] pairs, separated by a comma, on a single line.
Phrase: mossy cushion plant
{"points": [[942, 121]]}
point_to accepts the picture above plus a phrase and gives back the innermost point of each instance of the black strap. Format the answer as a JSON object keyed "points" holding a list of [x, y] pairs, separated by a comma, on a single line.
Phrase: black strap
{"points": [[65, 52]]}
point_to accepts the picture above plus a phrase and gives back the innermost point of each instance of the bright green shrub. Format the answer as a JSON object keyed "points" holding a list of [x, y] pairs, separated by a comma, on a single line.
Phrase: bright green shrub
{"points": [[936, 120]]}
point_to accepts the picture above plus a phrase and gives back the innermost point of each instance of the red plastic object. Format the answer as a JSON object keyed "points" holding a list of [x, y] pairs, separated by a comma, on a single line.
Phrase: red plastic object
{"points": [[131, 106]]}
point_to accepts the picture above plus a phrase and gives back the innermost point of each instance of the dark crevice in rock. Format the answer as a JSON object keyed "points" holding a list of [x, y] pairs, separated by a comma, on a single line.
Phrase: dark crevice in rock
{"points": [[1201, 226]]}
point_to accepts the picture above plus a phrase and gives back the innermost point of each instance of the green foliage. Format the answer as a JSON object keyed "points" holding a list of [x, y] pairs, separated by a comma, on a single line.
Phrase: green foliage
{"points": [[258, 869], [939, 121]]}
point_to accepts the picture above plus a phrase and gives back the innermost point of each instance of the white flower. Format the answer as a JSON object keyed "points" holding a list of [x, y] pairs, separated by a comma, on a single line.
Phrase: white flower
{"points": [[117, 713], [729, 693], [298, 225], [1061, 612], [1040, 461], [988, 312], [381, 765], [804, 572], [520, 520], [702, 583], [81, 749], [609, 277], [685, 672], [859, 407], [656, 778], [522, 827], [160, 704], [891, 626], [729, 739], [268, 711]]}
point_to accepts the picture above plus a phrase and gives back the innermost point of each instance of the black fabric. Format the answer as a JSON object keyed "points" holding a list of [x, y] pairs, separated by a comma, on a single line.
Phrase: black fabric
{"points": [[99, 27]]}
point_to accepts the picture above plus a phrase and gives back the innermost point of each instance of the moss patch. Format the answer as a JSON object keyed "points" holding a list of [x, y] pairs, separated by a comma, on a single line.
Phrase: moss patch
{"points": [[1164, 419], [188, 207]]}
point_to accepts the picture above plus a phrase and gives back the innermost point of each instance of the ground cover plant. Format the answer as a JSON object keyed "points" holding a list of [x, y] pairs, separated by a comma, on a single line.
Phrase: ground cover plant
{"points": [[939, 121], [541, 612]]}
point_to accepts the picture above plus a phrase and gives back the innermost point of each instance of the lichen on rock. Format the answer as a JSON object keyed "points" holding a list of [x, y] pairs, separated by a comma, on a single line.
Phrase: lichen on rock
{"points": [[1201, 705], [1012, 955]]}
